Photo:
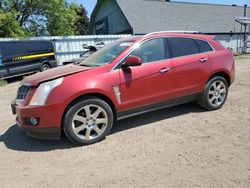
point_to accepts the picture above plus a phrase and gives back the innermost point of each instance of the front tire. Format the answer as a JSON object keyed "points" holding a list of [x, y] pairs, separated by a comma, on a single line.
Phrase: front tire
{"points": [[88, 121], [215, 93]]}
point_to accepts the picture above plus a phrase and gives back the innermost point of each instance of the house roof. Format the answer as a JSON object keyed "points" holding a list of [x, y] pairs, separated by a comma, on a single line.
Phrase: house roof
{"points": [[146, 16], [243, 20]]}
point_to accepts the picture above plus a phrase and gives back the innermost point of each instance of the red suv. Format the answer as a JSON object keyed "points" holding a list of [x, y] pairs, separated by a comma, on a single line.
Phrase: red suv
{"points": [[128, 77]]}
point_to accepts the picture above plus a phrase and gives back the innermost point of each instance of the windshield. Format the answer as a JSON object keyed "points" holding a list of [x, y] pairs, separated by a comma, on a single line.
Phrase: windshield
{"points": [[86, 54], [107, 54]]}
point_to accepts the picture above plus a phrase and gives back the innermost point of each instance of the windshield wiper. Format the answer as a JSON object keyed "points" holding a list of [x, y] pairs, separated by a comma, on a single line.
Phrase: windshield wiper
{"points": [[87, 65]]}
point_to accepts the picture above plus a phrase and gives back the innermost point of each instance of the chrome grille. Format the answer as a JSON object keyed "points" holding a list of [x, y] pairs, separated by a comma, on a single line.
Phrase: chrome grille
{"points": [[22, 91]]}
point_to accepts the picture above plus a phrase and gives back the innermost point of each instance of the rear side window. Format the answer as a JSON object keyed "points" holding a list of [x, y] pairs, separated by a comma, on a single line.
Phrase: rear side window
{"points": [[152, 50], [204, 46], [183, 46]]}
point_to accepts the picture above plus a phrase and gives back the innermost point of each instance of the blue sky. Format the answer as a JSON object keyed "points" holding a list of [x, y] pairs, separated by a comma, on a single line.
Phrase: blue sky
{"points": [[90, 4]]}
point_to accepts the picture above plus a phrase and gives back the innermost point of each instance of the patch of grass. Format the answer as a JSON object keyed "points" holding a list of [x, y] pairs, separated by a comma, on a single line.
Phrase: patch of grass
{"points": [[245, 56], [2, 82]]}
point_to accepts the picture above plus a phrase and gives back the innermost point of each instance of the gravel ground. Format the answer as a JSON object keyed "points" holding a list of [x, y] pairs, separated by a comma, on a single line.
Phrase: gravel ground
{"points": [[183, 146]]}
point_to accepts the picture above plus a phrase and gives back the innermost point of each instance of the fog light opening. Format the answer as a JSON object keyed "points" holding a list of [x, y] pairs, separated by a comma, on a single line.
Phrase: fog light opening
{"points": [[33, 121]]}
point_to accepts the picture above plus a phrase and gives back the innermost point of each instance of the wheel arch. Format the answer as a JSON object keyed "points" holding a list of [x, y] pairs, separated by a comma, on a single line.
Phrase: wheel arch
{"points": [[222, 74], [45, 62], [89, 95]]}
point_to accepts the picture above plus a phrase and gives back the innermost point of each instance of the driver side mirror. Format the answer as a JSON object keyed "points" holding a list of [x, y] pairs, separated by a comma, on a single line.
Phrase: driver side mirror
{"points": [[132, 61]]}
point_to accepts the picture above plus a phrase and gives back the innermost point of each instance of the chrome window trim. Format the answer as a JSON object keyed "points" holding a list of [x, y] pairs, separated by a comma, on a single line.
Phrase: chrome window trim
{"points": [[213, 50], [114, 68]]}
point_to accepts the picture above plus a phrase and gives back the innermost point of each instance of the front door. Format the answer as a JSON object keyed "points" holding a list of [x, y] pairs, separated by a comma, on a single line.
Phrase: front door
{"points": [[152, 81]]}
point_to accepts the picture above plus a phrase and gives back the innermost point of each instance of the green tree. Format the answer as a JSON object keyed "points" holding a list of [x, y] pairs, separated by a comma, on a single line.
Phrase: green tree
{"points": [[9, 27], [61, 18], [41, 17], [82, 22]]}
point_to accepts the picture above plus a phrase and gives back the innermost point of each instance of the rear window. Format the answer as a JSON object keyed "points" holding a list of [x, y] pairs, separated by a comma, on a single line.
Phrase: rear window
{"points": [[204, 46], [183, 46]]}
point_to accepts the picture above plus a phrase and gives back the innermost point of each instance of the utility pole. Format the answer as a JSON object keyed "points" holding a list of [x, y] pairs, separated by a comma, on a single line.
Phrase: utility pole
{"points": [[245, 31]]}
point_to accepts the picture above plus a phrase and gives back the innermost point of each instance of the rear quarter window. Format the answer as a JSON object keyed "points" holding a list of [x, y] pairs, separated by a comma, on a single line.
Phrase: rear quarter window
{"points": [[204, 46], [183, 46]]}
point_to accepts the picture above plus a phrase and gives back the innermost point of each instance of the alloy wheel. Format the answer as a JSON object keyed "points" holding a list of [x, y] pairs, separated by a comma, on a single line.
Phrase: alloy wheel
{"points": [[217, 93], [89, 122]]}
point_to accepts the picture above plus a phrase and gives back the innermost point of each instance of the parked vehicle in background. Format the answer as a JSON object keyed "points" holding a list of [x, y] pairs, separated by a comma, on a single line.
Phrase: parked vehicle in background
{"points": [[23, 57], [128, 77], [89, 50]]}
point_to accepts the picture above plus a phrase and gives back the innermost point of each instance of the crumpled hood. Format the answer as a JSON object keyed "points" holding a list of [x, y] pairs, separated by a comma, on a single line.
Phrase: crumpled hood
{"points": [[54, 73]]}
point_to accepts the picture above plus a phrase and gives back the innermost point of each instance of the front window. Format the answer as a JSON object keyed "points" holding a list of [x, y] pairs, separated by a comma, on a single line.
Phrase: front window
{"points": [[107, 54], [152, 50]]}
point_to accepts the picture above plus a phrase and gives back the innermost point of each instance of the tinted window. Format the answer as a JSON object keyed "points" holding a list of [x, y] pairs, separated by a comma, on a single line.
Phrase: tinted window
{"points": [[204, 46], [150, 51], [183, 46]]}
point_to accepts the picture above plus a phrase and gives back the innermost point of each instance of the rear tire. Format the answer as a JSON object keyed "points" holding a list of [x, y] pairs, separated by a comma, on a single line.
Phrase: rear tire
{"points": [[88, 121], [215, 93], [45, 67]]}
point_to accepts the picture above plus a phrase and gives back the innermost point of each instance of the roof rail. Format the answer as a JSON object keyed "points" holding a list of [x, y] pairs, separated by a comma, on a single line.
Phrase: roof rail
{"points": [[177, 31]]}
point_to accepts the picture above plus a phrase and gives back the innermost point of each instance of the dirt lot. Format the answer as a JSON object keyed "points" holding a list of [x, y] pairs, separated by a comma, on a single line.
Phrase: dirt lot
{"points": [[183, 146]]}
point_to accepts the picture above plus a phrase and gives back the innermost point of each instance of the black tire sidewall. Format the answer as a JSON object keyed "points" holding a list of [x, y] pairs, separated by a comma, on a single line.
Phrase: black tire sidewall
{"points": [[67, 122], [45, 64], [205, 94]]}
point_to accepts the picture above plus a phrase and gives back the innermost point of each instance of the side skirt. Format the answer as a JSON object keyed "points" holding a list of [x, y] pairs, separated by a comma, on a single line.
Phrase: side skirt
{"points": [[157, 106]]}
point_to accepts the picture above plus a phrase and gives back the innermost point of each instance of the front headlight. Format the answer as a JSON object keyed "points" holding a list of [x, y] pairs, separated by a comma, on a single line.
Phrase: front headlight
{"points": [[43, 91]]}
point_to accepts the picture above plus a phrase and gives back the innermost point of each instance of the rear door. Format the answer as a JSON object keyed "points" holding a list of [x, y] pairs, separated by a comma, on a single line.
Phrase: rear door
{"points": [[190, 66], [151, 82]]}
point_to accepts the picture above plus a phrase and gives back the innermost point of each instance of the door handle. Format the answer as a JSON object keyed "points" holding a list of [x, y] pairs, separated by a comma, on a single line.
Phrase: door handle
{"points": [[203, 60], [164, 70]]}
